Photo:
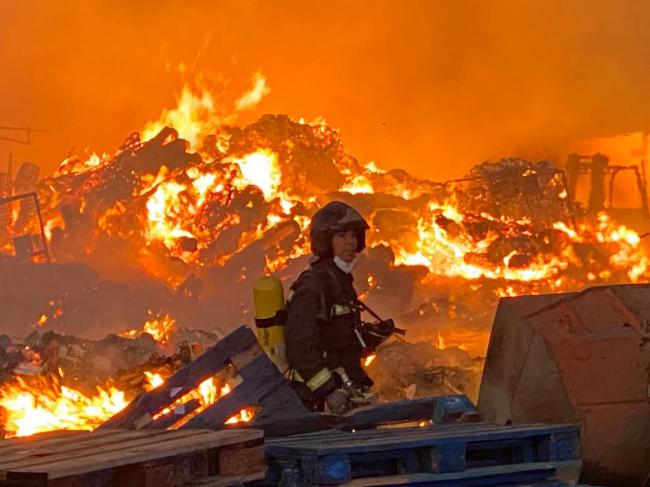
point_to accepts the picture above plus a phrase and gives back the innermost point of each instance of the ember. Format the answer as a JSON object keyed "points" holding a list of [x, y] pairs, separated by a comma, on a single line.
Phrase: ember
{"points": [[369, 359], [243, 416], [439, 342]]}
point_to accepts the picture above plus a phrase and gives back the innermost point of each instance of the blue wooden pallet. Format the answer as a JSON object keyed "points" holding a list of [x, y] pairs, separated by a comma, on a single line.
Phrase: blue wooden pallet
{"points": [[523, 475], [527, 453]]}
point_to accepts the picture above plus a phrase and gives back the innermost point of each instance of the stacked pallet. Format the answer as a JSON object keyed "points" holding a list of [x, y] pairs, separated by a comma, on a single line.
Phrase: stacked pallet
{"points": [[447, 454], [147, 458]]}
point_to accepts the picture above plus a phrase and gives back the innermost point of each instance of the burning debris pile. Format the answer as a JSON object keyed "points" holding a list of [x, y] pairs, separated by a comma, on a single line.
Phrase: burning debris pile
{"points": [[207, 223], [192, 210], [52, 381]]}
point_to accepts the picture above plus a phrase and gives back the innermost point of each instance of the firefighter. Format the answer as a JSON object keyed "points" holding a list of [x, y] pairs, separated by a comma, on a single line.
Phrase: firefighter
{"points": [[323, 334]]}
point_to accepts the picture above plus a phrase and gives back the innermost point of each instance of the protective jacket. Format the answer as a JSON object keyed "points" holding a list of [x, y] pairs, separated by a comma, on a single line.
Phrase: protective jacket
{"points": [[322, 316]]}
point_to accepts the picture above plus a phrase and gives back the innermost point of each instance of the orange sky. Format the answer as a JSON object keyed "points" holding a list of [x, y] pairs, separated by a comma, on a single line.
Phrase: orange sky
{"points": [[430, 86]]}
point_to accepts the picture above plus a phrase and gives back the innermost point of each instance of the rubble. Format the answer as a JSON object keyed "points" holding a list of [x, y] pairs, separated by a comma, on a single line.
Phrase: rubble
{"points": [[404, 370], [86, 363]]}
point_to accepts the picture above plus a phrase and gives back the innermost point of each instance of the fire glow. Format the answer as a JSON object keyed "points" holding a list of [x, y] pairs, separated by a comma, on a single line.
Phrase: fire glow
{"points": [[177, 204], [35, 405], [172, 213], [40, 404]]}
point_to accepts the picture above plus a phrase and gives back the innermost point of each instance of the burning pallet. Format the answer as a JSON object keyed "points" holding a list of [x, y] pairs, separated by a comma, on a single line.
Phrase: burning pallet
{"points": [[254, 382], [144, 458]]}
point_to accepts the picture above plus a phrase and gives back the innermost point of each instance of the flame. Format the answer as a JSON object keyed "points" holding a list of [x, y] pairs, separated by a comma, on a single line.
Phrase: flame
{"points": [[446, 253], [194, 116], [74, 165], [439, 342], [243, 416], [161, 328], [55, 222], [41, 405], [251, 98], [358, 184], [369, 359], [260, 169], [154, 379]]}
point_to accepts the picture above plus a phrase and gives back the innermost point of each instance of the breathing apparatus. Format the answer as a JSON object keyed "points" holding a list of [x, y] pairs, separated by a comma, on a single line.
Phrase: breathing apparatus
{"points": [[270, 318]]}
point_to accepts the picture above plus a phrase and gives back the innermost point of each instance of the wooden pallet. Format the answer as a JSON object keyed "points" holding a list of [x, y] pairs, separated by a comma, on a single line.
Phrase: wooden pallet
{"points": [[238, 358], [445, 452], [133, 458], [437, 410]]}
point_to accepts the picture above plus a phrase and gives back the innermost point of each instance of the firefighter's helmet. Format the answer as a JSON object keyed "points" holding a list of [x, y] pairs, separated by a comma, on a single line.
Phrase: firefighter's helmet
{"points": [[333, 218]]}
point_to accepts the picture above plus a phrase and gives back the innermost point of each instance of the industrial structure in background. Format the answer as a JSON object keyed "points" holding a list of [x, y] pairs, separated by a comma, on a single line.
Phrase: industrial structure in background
{"points": [[22, 233], [21, 224], [619, 190]]}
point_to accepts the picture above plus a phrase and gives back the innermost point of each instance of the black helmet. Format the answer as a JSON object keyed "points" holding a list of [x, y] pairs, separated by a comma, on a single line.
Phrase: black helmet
{"points": [[333, 218]]}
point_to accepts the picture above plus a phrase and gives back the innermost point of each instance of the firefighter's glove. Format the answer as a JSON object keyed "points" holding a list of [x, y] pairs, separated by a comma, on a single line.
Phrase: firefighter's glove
{"points": [[374, 334], [361, 396], [338, 402]]}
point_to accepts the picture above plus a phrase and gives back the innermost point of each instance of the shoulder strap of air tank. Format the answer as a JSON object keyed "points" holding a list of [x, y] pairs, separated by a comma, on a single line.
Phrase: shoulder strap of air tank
{"points": [[324, 312]]}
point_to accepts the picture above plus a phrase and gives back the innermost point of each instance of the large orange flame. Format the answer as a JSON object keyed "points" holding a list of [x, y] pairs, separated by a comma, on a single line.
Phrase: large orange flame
{"points": [[41, 404], [38, 405]]}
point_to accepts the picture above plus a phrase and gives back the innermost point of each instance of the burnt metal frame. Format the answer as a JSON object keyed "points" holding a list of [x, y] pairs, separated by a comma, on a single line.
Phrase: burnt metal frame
{"points": [[613, 171], [584, 165], [23, 196], [570, 207], [28, 133]]}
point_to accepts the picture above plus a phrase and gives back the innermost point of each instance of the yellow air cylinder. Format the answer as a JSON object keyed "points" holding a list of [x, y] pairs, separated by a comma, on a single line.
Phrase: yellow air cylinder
{"points": [[270, 317]]}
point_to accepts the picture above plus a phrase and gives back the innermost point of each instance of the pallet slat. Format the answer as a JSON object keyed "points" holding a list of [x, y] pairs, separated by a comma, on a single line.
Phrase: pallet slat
{"points": [[82, 445], [513, 475], [338, 442], [114, 443], [227, 481]]}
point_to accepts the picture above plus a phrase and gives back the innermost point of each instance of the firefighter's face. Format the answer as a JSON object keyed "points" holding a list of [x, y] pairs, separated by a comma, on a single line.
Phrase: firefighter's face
{"points": [[344, 245]]}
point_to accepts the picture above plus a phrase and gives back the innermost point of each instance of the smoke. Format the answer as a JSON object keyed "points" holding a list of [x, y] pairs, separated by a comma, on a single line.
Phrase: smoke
{"points": [[431, 86]]}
